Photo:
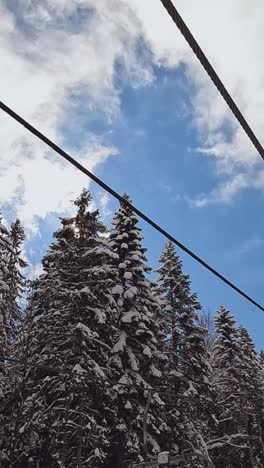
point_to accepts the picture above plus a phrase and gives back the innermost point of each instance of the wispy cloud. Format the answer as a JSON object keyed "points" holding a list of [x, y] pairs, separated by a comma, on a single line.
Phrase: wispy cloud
{"points": [[104, 201], [229, 188], [34, 271], [45, 61], [224, 192], [246, 248], [231, 34], [54, 50]]}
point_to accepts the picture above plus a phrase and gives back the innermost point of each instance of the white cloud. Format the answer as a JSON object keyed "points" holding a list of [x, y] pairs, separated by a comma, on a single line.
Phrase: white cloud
{"points": [[231, 35], [104, 200], [34, 271], [55, 49], [45, 60], [224, 192], [252, 244]]}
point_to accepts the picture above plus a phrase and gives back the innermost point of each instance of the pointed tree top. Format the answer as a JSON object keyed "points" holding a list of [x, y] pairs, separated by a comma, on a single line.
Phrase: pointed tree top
{"points": [[17, 232], [223, 319], [126, 197], [83, 201], [169, 246], [245, 338]]}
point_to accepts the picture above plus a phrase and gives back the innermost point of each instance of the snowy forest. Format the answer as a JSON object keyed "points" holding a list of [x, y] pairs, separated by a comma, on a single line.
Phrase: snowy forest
{"points": [[103, 365]]}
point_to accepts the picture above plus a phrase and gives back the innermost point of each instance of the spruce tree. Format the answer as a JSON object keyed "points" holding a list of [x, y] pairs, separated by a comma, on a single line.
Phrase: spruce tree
{"points": [[229, 446], [15, 279], [5, 249], [137, 359], [260, 358], [60, 407], [12, 286], [189, 361], [251, 397]]}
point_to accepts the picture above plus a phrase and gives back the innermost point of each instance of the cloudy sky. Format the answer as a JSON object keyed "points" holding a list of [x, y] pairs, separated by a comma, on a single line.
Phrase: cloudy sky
{"points": [[114, 83]]}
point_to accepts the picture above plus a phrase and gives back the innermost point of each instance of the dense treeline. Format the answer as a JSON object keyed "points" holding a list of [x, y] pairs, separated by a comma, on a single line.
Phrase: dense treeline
{"points": [[101, 352]]}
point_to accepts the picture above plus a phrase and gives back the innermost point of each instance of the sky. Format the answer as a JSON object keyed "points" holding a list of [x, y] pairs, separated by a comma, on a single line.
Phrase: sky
{"points": [[115, 84]]}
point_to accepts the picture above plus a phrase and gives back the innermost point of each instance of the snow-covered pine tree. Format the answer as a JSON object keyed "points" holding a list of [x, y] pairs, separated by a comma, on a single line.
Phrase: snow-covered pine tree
{"points": [[12, 284], [137, 359], [251, 398], [189, 360], [229, 447], [5, 250], [15, 279], [59, 409], [260, 358]]}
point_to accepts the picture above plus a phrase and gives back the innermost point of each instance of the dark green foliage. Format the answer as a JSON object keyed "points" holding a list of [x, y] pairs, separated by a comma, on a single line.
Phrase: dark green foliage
{"points": [[188, 369], [110, 367], [61, 413], [137, 359]]}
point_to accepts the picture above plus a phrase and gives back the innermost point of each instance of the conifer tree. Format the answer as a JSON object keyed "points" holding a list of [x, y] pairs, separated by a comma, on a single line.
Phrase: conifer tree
{"points": [[12, 283], [251, 397], [189, 369], [230, 447], [137, 359], [60, 418], [14, 278], [5, 248], [260, 358], [110, 367]]}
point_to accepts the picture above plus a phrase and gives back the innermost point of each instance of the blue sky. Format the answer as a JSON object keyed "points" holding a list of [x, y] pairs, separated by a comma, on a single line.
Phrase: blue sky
{"points": [[148, 122], [160, 169]]}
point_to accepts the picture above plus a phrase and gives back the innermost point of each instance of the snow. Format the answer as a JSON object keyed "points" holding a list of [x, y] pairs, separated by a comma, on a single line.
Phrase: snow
{"points": [[100, 315], [136, 252], [124, 246], [112, 254], [147, 351], [190, 391], [139, 268], [125, 380], [78, 368], [157, 398], [128, 405], [155, 446], [129, 294], [118, 289], [142, 325], [128, 275], [128, 316], [156, 372], [121, 427], [122, 265], [135, 258], [133, 361], [22, 429], [120, 345], [84, 328], [98, 370], [4, 286], [37, 318]]}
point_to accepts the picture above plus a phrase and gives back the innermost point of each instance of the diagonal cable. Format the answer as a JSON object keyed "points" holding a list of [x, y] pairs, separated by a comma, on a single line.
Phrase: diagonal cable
{"points": [[177, 19], [116, 195]]}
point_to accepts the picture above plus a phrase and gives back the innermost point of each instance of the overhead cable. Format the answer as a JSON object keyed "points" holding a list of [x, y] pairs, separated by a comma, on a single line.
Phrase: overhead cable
{"points": [[177, 19], [122, 200]]}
